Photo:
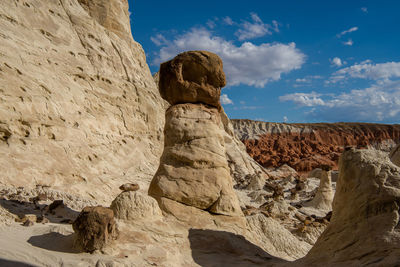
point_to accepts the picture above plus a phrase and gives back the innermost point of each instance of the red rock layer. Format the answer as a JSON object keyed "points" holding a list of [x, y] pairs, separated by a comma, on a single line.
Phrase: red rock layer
{"points": [[323, 145]]}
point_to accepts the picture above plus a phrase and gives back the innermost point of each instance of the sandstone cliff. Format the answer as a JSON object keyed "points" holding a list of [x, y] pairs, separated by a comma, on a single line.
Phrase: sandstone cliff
{"points": [[307, 146], [79, 110]]}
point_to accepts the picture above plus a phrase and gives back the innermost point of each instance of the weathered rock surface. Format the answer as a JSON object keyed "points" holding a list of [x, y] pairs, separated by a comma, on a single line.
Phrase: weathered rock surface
{"points": [[364, 225], [80, 115], [305, 147], [324, 196], [275, 239], [135, 206], [192, 77], [194, 170], [94, 228], [395, 155], [243, 168], [79, 110]]}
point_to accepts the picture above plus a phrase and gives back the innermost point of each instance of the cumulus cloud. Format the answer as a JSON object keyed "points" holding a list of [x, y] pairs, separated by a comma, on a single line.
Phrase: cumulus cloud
{"points": [[248, 63], [159, 39], [352, 29], [225, 100], [255, 28], [379, 101], [304, 99], [306, 81], [336, 62], [368, 70]]}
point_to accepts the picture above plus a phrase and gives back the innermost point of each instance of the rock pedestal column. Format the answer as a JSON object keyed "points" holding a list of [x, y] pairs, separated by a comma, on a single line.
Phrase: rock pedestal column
{"points": [[194, 171]]}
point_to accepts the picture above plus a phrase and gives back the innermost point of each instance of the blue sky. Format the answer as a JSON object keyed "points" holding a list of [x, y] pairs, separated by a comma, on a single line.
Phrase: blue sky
{"points": [[294, 61]]}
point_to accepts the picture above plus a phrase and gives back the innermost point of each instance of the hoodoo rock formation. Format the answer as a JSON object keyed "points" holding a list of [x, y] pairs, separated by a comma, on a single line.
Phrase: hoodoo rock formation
{"points": [[324, 195], [80, 115], [194, 170], [306, 146], [364, 228]]}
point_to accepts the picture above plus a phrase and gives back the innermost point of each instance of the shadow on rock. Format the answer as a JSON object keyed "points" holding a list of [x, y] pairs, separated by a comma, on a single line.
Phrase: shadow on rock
{"points": [[54, 241], [60, 214], [220, 248], [10, 263]]}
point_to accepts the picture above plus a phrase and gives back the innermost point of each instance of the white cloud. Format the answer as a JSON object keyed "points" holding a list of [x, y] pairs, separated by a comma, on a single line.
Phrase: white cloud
{"points": [[304, 99], [353, 29], [349, 42], [380, 101], [211, 24], [159, 39], [285, 119], [256, 28], [249, 64], [225, 99], [306, 81], [227, 20], [368, 70], [337, 62], [364, 9]]}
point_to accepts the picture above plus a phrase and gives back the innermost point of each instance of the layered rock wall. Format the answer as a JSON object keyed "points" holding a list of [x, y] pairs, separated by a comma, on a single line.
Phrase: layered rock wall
{"points": [[79, 110], [308, 146]]}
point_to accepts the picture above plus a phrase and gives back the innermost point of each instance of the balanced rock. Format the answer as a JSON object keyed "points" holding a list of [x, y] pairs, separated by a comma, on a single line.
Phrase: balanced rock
{"points": [[129, 187], [94, 228], [364, 226], [192, 77], [395, 155], [193, 169]]}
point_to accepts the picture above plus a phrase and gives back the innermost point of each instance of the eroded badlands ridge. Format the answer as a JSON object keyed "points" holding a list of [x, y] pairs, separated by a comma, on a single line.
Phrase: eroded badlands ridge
{"points": [[305, 147]]}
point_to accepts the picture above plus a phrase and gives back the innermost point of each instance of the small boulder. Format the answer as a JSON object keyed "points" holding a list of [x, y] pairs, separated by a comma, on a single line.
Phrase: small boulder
{"points": [[192, 77], [94, 228], [28, 223], [56, 204], [129, 187], [42, 220], [135, 205]]}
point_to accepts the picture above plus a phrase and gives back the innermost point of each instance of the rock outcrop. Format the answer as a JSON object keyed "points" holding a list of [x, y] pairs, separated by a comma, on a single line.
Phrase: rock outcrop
{"points": [[192, 78], [364, 228], [305, 147], [324, 195], [94, 228], [194, 170], [395, 155], [79, 110]]}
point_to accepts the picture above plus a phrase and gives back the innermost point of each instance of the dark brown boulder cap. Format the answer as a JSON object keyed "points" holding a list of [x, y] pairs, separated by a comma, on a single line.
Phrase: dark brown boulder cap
{"points": [[192, 77]]}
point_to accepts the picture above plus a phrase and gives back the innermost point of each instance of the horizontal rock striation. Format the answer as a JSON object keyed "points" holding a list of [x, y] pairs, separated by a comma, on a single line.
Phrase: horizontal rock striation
{"points": [[308, 146], [79, 110]]}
